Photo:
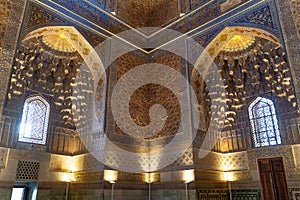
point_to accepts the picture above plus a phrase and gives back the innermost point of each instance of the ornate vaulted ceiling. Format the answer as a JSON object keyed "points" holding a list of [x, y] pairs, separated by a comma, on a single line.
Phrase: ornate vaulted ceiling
{"points": [[107, 18], [111, 17], [150, 13], [96, 21]]}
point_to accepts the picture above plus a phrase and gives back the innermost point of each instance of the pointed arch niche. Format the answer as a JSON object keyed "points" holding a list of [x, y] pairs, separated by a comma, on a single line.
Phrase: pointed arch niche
{"points": [[251, 62], [59, 62]]}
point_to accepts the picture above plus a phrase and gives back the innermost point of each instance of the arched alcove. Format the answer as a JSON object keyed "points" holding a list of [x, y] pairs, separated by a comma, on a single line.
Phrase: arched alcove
{"points": [[251, 62], [59, 63]]}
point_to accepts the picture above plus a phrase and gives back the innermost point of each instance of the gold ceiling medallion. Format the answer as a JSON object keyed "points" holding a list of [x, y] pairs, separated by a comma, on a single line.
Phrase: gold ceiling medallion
{"points": [[58, 42], [239, 43]]}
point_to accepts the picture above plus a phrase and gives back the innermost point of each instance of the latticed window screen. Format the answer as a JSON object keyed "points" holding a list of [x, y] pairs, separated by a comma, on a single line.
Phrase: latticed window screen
{"points": [[27, 170], [264, 124], [34, 124]]}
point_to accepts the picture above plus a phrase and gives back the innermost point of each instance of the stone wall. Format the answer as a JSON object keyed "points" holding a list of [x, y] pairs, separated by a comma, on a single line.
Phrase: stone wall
{"points": [[87, 179], [13, 12], [290, 34], [5, 194], [295, 8]]}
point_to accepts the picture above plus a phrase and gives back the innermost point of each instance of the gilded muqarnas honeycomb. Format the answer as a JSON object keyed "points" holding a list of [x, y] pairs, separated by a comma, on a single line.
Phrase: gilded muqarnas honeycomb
{"points": [[148, 13], [37, 67], [150, 94], [260, 70]]}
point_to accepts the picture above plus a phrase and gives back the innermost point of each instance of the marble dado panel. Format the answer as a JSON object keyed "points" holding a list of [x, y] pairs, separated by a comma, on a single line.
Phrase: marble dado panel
{"points": [[88, 176], [217, 176], [213, 167], [163, 177], [85, 162], [9, 173], [98, 175], [61, 163], [9, 159]]}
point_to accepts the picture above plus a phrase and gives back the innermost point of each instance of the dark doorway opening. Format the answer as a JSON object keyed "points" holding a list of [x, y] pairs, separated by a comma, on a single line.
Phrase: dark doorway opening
{"points": [[273, 179]]}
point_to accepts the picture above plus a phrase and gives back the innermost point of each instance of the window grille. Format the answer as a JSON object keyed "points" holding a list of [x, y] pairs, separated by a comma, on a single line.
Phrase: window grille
{"points": [[35, 118], [264, 124]]}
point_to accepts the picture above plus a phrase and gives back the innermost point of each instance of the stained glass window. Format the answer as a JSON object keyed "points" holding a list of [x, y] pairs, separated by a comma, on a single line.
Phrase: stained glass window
{"points": [[264, 124], [35, 118]]}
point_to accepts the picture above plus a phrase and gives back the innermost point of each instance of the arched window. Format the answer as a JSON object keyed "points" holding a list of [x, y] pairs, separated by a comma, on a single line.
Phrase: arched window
{"points": [[35, 118], [264, 124]]}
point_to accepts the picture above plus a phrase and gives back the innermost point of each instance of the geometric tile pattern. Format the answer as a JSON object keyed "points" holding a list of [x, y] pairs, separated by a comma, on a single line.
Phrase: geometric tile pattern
{"points": [[88, 176], [295, 8], [294, 193], [212, 194], [186, 159], [246, 194], [234, 161], [27, 170], [143, 162], [212, 161], [5, 10], [222, 162], [276, 151]]}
